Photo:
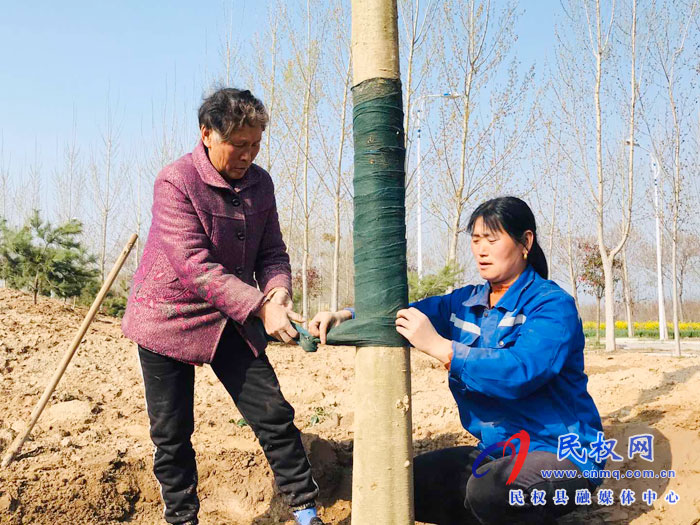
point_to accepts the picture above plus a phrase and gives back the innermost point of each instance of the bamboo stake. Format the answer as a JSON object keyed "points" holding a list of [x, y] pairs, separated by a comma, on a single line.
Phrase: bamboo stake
{"points": [[16, 445]]}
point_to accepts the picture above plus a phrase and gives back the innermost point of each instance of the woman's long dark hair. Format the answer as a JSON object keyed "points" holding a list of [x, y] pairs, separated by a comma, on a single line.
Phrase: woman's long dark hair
{"points": [[515, 217]]}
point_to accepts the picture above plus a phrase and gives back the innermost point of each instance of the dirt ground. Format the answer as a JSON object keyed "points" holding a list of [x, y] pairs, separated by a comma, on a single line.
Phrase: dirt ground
{"points": [[89, 458]]}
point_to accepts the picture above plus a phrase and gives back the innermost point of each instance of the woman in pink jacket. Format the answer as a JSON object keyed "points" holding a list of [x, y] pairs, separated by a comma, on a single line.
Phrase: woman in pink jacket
{"points": [[215, 261]]}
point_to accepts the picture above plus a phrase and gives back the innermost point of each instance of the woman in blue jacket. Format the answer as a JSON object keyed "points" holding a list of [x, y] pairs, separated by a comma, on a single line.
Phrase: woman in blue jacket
{"points": [[514, 350]]}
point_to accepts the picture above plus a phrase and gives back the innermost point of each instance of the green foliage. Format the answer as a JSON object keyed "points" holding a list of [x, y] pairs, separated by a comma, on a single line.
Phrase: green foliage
{"points": [[433, 284], [46, 260], [319, 416]]}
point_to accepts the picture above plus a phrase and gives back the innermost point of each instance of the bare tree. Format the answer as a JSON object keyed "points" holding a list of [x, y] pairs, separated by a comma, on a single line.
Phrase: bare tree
{"points": [[670, 32], [595, 26], [4, 182], [229, 49], [265, 74], [417, 24], [105, 185], [70, 180], [306, 61], [34, 179], [627, 292], [688, 258], [337, 77], [479, 39], [572, 243]]}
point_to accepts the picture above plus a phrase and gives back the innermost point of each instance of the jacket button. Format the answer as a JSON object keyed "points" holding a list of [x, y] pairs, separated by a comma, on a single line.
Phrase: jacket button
{"points": [[501, 343], [238, 270], [236, 202], [240, 236]]}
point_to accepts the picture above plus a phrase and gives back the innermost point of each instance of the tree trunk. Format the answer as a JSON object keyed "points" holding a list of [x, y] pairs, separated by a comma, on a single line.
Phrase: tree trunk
{"points": [[628, 294], [382, 482], [597, 325], [271, 98], [676, 213], [307, 146], [606, 257], [570, 255], [552, 229], [609, 305], [36, 287], [681, 313], [674, 272], [459, 193], [338, 192]]}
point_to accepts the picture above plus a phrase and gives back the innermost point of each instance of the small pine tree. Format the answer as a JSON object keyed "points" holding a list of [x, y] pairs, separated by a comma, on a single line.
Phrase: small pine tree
{"points": [[432, 284], [45, 259]]}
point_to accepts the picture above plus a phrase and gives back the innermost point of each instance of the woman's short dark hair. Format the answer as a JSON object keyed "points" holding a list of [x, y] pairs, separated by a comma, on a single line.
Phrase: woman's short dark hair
{"points": [[228, 110], [515, 217]]}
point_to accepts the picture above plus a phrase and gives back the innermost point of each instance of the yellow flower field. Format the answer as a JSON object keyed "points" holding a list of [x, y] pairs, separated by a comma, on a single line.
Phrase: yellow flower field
{"points": [[645, 328]]}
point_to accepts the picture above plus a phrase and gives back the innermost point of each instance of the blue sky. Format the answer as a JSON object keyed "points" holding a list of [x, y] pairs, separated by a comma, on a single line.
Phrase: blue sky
{"points": [[58, 57]]}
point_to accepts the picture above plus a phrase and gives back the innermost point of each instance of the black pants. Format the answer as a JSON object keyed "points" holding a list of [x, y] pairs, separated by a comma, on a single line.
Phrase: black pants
{"points": [[253, 386], [446, 493]]}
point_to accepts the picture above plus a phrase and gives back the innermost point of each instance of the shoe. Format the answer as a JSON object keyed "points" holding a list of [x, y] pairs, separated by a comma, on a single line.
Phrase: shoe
{"points": [[307, 517]]}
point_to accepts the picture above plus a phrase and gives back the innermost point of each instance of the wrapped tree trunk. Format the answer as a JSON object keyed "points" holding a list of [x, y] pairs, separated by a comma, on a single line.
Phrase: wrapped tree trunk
{"points": [[382, 491]]}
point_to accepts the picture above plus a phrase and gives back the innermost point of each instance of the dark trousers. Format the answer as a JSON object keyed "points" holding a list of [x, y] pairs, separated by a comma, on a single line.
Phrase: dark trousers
{"points": [[254, 388], [446, 493]]}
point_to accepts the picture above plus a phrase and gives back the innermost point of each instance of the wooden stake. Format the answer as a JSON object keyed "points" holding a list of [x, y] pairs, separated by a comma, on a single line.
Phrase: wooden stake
{"points": [[16, 445]]}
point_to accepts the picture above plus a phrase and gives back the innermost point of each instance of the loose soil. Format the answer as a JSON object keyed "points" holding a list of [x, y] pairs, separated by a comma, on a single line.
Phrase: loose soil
{"points": [[89, 458]]}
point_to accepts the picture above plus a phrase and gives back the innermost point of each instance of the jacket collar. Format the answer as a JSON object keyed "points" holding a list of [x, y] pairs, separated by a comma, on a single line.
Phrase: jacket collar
{"points": [[510, 298], [480, 297], [213, 178]]}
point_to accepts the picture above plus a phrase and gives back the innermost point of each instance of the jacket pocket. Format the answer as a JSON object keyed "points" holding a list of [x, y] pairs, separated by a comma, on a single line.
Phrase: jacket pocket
{"points": [[507, 336], [161, 282]]}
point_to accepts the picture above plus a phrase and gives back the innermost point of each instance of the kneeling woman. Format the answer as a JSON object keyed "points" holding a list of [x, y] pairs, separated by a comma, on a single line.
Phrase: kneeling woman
{"points": [[514, 350]]}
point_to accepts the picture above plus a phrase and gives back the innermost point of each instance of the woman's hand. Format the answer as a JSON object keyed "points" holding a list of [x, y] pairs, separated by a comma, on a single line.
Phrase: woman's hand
{"points": [[275, 318], [415, 326], [324, 321], [281, 296]]}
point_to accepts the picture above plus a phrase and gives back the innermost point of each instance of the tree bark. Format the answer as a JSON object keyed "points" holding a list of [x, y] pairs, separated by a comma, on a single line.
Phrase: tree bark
{"points": [[382, 483], [627, 289], [597, 326]]}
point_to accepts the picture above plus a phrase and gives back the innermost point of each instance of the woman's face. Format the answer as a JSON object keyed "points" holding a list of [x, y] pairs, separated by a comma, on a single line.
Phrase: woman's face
{"points": [[499, 258], [233, 157]]}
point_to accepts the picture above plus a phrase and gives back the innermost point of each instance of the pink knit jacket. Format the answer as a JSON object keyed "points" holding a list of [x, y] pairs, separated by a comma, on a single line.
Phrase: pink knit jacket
{"points": [[213, 251]]}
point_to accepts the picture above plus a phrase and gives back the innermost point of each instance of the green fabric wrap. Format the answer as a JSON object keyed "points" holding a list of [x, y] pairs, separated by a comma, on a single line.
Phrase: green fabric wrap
{"points": [[381, 286]]}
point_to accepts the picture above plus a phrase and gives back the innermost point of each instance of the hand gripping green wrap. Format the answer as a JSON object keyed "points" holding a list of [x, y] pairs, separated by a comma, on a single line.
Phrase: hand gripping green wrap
{"points": [[381, 287]]}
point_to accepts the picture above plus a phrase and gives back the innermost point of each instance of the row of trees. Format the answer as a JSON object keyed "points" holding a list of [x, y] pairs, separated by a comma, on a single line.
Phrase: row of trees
{"points": [[572, 136]]}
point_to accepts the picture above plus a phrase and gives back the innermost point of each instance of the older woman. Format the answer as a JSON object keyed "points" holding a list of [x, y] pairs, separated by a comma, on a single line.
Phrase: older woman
{"points": [[514, 350], [215, 261]]}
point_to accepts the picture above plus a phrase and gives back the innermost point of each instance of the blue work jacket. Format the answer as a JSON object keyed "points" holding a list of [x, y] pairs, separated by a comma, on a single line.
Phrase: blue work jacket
{"points": [[519, 365]]}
